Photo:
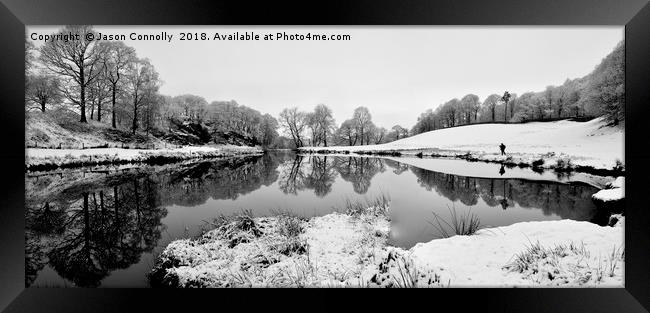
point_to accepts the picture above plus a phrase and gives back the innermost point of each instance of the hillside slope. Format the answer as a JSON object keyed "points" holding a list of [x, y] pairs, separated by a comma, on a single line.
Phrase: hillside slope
{"points": [[589, 143], [62, 129]]}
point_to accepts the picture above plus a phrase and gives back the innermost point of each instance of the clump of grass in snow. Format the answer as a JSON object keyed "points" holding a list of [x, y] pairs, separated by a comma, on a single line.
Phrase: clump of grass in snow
{"points": [[289, 224], [528, 258], [238, 228], [378, 206], [564, 264], [609, 266], [398, 270], [466, 224]]}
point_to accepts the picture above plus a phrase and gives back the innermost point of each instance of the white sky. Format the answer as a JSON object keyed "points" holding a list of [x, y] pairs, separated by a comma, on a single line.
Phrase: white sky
{"points": [[397, 72]]}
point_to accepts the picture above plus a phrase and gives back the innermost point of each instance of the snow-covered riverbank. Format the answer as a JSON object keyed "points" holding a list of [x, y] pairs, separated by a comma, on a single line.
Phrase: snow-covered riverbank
{"points": [[613, 191], [560, 145], [351, 249], [53, 158]]}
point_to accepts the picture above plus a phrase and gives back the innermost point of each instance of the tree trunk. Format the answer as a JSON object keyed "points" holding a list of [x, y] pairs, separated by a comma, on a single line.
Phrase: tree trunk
{"points": [[493, 114], [113, 113], [82, 93], [134, 126], [42, 106], [505, 113], [99, 111], [361, 144]]}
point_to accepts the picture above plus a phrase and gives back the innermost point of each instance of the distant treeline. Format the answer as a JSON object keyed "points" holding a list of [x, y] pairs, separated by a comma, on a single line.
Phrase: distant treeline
{"points": [[600, 93], [318, 128]]}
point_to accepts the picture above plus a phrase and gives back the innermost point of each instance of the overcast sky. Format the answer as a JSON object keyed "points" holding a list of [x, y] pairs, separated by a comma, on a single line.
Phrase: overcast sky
{"points": [[397, 72]]}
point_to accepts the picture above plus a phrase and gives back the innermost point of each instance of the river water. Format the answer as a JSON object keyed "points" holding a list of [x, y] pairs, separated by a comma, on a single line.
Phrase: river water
{"points": [[102, 227]]}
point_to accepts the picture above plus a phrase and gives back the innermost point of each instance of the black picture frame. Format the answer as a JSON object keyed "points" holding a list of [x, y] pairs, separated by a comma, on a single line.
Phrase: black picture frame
{"points": [[634, 14]]}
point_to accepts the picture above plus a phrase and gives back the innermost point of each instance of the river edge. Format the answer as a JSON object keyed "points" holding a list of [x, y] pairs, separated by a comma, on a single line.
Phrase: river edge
{"points": [[536, 162], [49, 159], [350, 248]]}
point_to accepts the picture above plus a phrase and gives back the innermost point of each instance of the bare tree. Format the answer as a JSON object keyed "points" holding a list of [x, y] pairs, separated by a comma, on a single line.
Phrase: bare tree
{"points": [[348, 132], [29, 56], [379, 134], [195, 107], [362, 120], [98, 92], [78, 62], [470, 104], [293, 122], [42, 90], [325, 122], [505, 99], [311, 121], [117, 57], [142, 86], [269, 133], [399, 131], [491, 103]]}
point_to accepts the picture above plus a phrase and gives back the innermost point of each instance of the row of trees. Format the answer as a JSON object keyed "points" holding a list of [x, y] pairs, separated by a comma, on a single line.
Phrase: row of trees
{"points": [[600, 93], [318, 128], [221, 116], [107, 82], [97, 79]]}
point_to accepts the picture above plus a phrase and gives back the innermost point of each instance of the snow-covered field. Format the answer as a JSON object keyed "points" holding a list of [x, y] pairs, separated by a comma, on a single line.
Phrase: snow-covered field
{"points": [[35, 158], [590, 144], [346, 250]]}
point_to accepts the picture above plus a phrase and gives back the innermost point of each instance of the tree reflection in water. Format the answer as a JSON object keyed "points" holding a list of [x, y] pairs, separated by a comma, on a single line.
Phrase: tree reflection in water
{"points": [[319, 173], [569, 201], [87, 235]]}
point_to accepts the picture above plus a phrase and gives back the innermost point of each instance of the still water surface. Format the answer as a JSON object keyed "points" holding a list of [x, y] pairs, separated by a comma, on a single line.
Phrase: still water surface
{"points": [[103, 228]]}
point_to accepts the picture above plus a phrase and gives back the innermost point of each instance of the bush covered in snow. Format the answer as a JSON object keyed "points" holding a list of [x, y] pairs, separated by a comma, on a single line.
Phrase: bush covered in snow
{"points": [[279, 251]]}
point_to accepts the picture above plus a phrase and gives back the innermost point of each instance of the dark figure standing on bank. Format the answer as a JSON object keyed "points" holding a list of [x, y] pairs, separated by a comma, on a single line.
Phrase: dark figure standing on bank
{"points": [[503, 148]]}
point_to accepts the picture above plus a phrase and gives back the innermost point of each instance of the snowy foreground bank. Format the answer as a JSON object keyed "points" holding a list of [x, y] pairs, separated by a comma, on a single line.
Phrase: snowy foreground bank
{"points": [[36, 159], [559, 145], [350, 250]]}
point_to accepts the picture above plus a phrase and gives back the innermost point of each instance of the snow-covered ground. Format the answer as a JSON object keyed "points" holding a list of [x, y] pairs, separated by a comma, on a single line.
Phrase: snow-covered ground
{"points": [[590, 144], [62, 129], [35, 157], [614, 192], [345, 250], [488, 258]]}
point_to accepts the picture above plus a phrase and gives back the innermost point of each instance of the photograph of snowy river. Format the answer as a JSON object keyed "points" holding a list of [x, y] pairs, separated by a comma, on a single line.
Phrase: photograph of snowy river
{"points": [[324, 156]]}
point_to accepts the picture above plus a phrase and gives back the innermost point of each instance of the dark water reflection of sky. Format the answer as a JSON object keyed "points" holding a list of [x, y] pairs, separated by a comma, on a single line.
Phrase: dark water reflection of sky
{"points": [[79, 235]]}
